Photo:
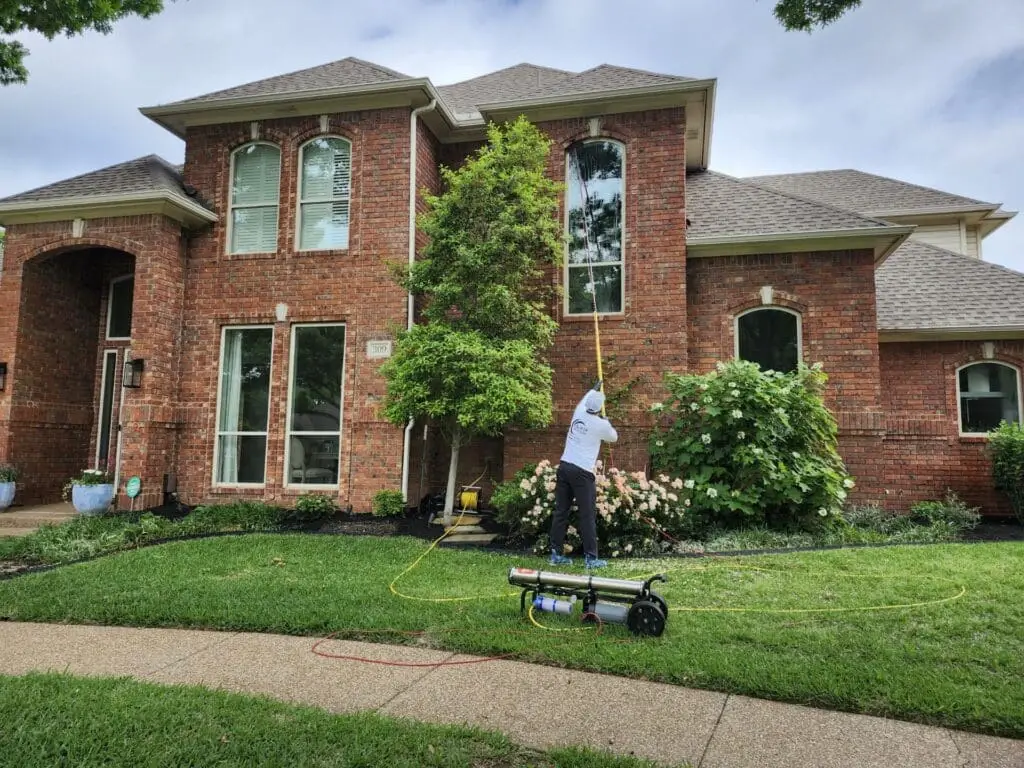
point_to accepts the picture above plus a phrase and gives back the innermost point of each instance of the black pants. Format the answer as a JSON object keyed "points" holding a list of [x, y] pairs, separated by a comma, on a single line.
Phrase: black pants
{"points": [[575, 483]]}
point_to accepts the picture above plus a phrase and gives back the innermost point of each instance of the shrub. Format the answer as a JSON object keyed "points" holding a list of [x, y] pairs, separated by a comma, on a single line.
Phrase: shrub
{"points": [[951, 512], [388, 504], [511, 504], [238, 516], [314, 506], [631, 510], [8, 473], [82, 537], [1006, 446], [760, 446]]}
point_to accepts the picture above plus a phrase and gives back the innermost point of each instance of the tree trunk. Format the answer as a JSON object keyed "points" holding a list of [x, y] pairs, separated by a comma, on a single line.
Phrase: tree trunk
{"points": [[453, 469]]}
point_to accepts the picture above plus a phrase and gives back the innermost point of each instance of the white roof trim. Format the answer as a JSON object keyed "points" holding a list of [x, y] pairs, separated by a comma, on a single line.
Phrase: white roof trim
{"points": [[96, 206]]}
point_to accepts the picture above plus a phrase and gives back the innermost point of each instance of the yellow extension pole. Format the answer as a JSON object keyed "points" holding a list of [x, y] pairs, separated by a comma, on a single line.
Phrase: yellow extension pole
{"points": [[600, 369]]}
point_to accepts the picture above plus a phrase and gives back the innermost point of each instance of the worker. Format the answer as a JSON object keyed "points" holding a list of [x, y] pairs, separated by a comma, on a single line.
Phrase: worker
{"points": [[575, 478]]}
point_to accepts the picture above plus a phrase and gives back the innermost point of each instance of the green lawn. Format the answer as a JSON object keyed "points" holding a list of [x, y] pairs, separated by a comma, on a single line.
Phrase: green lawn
{"points": [[49, 720], [958, 663]]}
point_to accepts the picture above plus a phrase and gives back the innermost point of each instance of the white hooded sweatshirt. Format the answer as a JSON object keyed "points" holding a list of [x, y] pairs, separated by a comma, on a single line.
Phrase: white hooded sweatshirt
{"points": [[588, 429]]}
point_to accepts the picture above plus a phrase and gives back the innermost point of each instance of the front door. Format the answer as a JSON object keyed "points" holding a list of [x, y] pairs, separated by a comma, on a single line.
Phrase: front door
{"points": [[107, 426]]}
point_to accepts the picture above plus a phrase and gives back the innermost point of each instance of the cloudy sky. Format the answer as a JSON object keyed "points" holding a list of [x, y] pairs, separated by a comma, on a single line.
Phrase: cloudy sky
{"points": [[929, 91]]}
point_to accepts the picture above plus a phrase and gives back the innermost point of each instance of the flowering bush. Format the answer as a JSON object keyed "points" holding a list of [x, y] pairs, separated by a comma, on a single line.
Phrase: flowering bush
{"points": [[632, 510], [760, 446], [87, 477]]}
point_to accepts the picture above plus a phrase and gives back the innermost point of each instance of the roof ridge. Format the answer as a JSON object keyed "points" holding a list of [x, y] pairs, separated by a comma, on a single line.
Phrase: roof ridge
{"points": [[639, 71], [801, 199], [919, 186], [507, 69], [79, 176], [378, 67]]}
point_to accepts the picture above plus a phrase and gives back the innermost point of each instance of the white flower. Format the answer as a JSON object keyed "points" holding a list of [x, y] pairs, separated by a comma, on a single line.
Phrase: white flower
{"points": [[526, 519], [703, 387], [712, 493], [672, 497], [677, 483], [694, 406], [741, 435], [615, 553], [705, 438], [735, 393], [796, 454], [708, 399], [737, 414], [657, 407], [841, 495], [662, 478], [643, 507], [687, 502], [660, 443], [551, 497], [690, 483], [848, 483], [525, 485], [629, 547], [780, 412], [823, 512]]}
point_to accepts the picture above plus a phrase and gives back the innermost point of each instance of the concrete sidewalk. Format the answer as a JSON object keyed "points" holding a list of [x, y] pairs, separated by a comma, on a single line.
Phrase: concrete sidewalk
{"points": [[533, 705]]}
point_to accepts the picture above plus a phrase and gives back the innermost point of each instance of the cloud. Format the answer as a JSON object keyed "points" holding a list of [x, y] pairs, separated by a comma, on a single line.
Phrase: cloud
{"points": [[923, 90]]}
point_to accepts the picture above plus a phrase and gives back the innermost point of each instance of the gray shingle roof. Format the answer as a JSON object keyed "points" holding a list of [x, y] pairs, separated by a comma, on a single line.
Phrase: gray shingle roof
{"points": [[502, 85], [863, 192], [719, 206], [144, 174], [922, 287], [346, 72], [603, 78]]}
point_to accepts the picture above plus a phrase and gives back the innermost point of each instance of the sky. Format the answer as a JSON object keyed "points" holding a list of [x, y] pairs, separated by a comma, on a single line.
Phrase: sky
{"points": [[927, 91]]}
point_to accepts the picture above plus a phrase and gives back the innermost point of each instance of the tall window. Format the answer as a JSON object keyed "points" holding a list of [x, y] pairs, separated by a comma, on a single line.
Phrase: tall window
{"points": [[988, 393], [244, 402], [769, 337], [314, 412], [255, 190], [324, 193], [595, 180], [119, 308]]}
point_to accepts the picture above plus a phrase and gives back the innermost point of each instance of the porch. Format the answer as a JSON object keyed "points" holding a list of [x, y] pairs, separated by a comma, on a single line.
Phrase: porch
{"points": [[20, 521]]}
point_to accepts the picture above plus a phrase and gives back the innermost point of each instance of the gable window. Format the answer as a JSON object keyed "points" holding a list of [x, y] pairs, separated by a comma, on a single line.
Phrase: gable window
{"points": [[255, 191], [324, 194], [119, 308], [243, 406], [595, 188], [769, 337], [988, 393]]}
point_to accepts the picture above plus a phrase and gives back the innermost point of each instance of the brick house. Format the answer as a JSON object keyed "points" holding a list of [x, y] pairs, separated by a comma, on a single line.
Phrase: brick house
{"points": [[217, 328]]}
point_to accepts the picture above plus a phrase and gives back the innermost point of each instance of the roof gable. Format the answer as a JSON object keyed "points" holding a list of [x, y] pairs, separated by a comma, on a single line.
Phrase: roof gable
{"points": [[144, 174], [605, 77], [503, 85]]}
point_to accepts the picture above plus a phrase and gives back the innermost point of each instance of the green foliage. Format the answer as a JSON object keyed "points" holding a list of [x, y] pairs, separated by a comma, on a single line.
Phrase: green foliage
{"points": [[388, 504], [467, 381], [82, 537], [492, 234], [805, 15], [237, 516], [8, 473], [314, 506], [1006, 446], [760, 446], [69, 18], [950, 511], [87, 477]]}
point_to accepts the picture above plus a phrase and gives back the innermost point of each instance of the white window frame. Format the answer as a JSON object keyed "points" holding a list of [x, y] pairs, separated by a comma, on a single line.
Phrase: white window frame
{"points": [[300, 201], [217, 434], [959, 401], [288, 434], [231, 198], [769, 308], [99, 420], [622, 229], [110, 305]]}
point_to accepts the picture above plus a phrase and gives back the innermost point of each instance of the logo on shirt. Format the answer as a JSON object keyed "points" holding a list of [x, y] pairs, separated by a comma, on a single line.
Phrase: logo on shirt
{"points": [[578, 429]]}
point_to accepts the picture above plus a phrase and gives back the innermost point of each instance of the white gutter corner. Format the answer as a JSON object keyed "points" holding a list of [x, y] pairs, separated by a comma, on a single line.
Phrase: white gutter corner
{"points": [[413, 119]]}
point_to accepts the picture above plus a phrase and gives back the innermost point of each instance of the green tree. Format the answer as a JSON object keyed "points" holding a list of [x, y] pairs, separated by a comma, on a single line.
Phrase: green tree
{"points": [[475, 367], [68, 17], [805, 15]]}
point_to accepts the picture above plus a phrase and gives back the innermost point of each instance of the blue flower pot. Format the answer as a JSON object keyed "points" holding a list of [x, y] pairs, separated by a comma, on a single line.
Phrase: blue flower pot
{"points": [[6, 495], [92, 499]]}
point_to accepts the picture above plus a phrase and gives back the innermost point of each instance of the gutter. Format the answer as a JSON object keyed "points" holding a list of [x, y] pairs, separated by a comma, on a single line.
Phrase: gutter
{"points": [[108, 201], [413, 121], [820, 234]]}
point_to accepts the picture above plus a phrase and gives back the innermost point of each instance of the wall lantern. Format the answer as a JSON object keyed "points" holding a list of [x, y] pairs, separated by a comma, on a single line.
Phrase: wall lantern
{"points": [[3, 376], [133, 373]]}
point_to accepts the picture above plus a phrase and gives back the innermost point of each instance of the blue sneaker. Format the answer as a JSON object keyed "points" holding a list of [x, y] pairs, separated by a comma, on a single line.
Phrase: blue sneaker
{"points": [[557, 559], [591, 563]]}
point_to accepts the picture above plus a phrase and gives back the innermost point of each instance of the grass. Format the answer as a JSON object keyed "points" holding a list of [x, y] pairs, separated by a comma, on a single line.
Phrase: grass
{"points": [[53, 719], [958, 663]]}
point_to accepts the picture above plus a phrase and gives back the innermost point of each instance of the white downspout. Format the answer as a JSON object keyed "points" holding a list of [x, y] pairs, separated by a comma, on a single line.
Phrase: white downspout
{"points": [[407, 447]]}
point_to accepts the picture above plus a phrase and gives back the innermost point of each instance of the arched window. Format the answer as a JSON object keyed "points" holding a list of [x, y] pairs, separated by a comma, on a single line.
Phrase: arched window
{"points": [[987, 393], [595, 188], [255, 191], [770, 337], [324, 194]]}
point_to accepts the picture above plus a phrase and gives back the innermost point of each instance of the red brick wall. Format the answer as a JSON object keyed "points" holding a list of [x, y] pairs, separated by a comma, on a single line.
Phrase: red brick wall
{"points": [[835, 296], [351, 286], [924, 452]]}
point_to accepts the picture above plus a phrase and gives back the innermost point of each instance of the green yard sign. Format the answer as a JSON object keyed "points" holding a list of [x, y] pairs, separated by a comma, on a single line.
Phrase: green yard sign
{"points": [[133, 487]]}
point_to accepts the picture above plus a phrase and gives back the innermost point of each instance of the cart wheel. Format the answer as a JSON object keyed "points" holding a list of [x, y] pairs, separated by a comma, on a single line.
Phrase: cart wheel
{"points": [[646, 618], [659, 601]]}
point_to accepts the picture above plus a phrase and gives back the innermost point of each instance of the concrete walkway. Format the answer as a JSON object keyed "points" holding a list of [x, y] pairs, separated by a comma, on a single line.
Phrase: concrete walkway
{"points": [[535, 706], [19, 521]]}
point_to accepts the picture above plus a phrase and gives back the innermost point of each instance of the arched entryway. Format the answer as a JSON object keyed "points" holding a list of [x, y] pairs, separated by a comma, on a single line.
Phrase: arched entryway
{"points": [[74, 326]]}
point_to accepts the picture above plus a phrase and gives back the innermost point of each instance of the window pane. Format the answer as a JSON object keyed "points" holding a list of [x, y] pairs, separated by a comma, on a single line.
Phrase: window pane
{"points": [[317, 378], [768, 337], [313, 460], [594, 201], [122, 294], [257, 175], [254, 230], [608, 280], [245, 380], [988, 396], [326, 169], [241, 459], [324, 226]]}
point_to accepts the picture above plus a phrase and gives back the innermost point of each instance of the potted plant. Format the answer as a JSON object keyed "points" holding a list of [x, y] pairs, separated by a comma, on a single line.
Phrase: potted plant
{"points": [[8, 478], [91, 492]]}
